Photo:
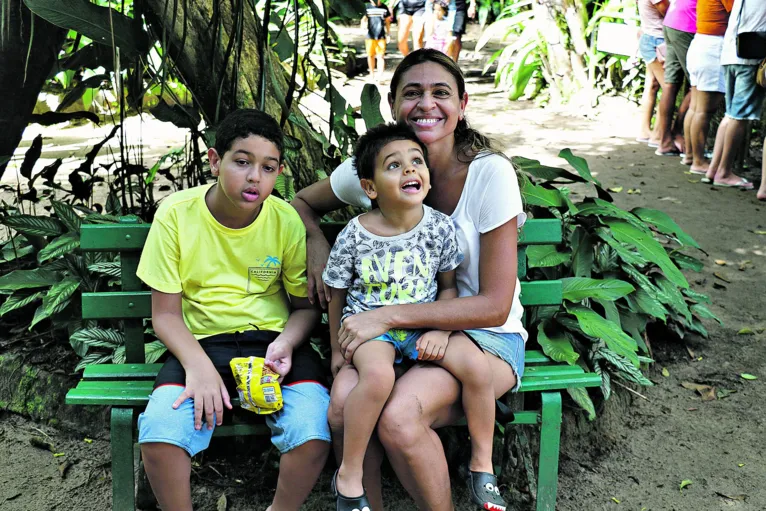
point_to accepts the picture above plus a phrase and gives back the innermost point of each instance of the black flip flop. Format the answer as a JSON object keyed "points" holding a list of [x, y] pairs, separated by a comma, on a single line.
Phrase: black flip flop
{"points": [[344, 503], [484, 491]]}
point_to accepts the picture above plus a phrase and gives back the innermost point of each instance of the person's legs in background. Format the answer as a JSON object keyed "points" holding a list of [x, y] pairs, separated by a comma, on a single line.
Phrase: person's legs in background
{"points": [[648, 102], [418, 30], [403, 35], [762, 189], [675, 70], [458, 29], [707, 104]]}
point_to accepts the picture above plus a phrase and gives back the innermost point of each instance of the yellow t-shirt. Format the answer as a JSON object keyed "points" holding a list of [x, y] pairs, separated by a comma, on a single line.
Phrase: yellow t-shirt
{"points": [[230, 279]]}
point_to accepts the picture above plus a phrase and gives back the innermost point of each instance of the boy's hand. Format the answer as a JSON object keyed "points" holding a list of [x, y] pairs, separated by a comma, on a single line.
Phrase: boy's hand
{"points": [[336, 363], [279, 357], [432, 345], [205, 386]]}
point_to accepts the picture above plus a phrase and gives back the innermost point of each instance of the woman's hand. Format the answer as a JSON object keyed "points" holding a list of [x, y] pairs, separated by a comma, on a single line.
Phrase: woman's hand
{"points": [[432, 345], [317, 253], [359, 328]]}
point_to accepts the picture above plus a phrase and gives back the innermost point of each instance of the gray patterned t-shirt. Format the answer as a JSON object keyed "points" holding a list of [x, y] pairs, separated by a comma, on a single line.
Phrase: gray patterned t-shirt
{"points": [[388, 270]]}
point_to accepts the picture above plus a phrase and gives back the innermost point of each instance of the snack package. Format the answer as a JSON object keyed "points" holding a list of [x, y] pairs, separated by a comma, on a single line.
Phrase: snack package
{"points": [[257, 385]]}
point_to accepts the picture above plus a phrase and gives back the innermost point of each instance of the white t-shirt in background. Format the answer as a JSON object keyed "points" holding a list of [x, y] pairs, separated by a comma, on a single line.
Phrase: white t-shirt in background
{"points": [[490, 198]]}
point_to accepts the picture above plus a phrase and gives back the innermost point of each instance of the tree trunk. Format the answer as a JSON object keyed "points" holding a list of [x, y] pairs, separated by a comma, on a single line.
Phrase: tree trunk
{"points": [[22, 78], [190, 29]]}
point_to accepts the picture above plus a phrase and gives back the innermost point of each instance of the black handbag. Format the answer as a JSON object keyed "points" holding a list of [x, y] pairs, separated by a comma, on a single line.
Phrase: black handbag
{"points": [[751, 45]]}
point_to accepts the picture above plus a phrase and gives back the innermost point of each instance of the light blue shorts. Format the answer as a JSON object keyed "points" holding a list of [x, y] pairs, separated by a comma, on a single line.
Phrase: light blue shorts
{"points": [[507, 347], [647, 47], [303, 418], [744, 97]]}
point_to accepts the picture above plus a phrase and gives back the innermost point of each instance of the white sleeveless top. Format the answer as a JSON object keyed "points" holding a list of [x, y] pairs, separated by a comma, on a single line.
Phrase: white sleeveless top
{"points": [[490, 198]]}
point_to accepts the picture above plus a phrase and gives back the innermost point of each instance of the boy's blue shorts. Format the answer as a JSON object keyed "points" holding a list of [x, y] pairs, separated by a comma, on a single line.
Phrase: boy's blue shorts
{"points": [[404, 342], [306, 398]]}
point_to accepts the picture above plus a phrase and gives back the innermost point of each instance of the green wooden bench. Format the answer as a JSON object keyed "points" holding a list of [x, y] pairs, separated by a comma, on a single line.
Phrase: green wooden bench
{"points": [[126, 387]]}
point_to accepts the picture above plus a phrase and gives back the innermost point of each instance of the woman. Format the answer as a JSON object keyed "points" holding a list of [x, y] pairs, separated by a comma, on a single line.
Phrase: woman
{"points": [[652, 13], [479, 190]]}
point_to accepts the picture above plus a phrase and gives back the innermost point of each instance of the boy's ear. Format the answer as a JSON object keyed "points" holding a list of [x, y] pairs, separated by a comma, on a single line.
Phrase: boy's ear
{"points": [[369, 188], [281, 168], [215, 161]]}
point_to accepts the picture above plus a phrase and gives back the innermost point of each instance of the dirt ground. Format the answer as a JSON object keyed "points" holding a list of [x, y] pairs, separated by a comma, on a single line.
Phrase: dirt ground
{"points": [[639, 451]]}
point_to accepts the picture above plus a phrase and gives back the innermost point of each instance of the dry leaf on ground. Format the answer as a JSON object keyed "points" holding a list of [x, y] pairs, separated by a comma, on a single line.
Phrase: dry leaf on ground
{"points": [[722, 277], [720, 262], [707, 392]]}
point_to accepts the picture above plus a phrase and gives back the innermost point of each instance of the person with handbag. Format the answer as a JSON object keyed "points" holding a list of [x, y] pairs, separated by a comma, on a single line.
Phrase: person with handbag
{"points": [[744, 97]]}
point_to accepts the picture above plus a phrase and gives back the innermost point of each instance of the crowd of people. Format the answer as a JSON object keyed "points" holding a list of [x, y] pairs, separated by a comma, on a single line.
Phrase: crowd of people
{"points": [[436, 24], [718, 48]]}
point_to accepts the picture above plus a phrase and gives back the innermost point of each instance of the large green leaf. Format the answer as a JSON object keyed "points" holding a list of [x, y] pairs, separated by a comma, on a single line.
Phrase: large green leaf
{"points": [[626, 369], [650, 305], [648, 247], [576, 289], [153, 351], [538, 196], [558, 347], [58, 297], [17, 301], [12, 253], [60, 246], [544, 256], [94, 82], [675, 297], [595, 325], [68, 215], [694, 295], [99, 337], [627, 255], [686, 262], [28, 279], [34, 225], [582, 252], [371, 106], [698, 309], [664, 224], [580, 396], [94, 22], [579, 164], [535, 169], [597, 207], [610, 311]]}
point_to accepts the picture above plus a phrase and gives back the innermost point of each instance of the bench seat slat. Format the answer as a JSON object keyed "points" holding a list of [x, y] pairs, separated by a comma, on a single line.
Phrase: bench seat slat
{"points": [[121, 372], [553, 370], [542, 384], [535, 357]]}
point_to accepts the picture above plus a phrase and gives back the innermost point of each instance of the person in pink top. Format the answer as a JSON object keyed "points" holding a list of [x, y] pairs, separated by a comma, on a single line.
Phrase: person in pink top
{"points": [[680, 26]]}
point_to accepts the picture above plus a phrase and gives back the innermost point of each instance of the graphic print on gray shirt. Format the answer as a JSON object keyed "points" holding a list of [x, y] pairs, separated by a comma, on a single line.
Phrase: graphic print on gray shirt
{"points": [[379, 270]]}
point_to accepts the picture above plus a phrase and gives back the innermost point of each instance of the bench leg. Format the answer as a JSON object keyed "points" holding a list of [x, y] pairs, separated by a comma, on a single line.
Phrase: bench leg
{"points": [[550, 439], [123, 477]]}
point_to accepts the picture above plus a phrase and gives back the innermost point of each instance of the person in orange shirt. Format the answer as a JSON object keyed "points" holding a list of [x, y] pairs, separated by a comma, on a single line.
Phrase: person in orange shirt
{"points": [[706, 76]]}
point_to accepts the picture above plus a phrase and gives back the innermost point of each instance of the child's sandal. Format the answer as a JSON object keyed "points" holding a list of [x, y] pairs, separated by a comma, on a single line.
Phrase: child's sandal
{"points": [[343, 503], [484, 491]]}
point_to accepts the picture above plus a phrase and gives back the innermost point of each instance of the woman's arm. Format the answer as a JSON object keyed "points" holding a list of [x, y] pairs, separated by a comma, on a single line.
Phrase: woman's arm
{"points": [[312, 203], [489, 308]]}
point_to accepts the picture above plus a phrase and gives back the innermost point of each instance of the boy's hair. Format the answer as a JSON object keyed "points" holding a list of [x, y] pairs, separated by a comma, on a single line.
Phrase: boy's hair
{"points": [[371, 143], [245, 122]]}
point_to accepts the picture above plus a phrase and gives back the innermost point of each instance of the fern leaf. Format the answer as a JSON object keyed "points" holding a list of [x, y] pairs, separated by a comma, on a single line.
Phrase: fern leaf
{"points": [[68, 215], [33, 225], [18, 301], [60, 246]]}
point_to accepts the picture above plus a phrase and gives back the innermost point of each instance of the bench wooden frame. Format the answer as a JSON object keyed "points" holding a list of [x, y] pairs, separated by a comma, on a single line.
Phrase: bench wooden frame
{"points": [[126, 387]]}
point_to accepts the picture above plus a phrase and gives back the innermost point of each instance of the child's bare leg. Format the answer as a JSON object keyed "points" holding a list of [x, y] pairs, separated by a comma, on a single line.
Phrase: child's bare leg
{"points": [[169, 470], [467, 363], [344, 383], [374, 361], [299, 470]]}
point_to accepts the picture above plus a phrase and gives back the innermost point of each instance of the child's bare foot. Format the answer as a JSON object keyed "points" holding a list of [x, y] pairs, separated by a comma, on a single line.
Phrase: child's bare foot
{"points": [[347, 484]]}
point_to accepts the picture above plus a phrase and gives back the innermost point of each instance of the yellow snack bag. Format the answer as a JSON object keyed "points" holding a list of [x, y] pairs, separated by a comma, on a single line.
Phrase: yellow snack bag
{"points": [[257, 385]]}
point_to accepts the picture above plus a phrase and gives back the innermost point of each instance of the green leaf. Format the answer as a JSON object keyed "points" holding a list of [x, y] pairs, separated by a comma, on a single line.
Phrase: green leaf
{"points": [[535, 169], [371, 106], [611, 312], [684, 484], [118, 356], [582, 252], [544, 256], [581, 397], [625, 369], [15, 301], [94, 22], [648, 247], [558, 347], [60, 246], [747, 376], [11, 254], [694, 295], [80, 90], [93, 359], [625, 253], [664, 224], [538, 196], [153, 351], [28, 279], [99, 337], [579, 164], [675, 298], [68, 215], [606, 380], [58, 297], [703, 312], [34, 225], [113, 269], [650, 305], [576, 289], [602, 208], [596, 326], [686, 262]]}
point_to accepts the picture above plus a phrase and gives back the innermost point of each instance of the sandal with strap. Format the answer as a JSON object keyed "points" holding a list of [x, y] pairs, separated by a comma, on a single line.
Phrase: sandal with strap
{"points": [[484, 491], [344, 503]]}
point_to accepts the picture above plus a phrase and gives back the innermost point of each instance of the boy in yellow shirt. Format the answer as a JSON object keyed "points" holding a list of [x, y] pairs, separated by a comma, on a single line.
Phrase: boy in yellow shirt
{"points": [[226, 264]]}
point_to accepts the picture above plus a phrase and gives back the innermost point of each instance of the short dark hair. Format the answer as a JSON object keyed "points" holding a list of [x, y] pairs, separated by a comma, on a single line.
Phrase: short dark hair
{"points": [[243, 123], [371, 143]]}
